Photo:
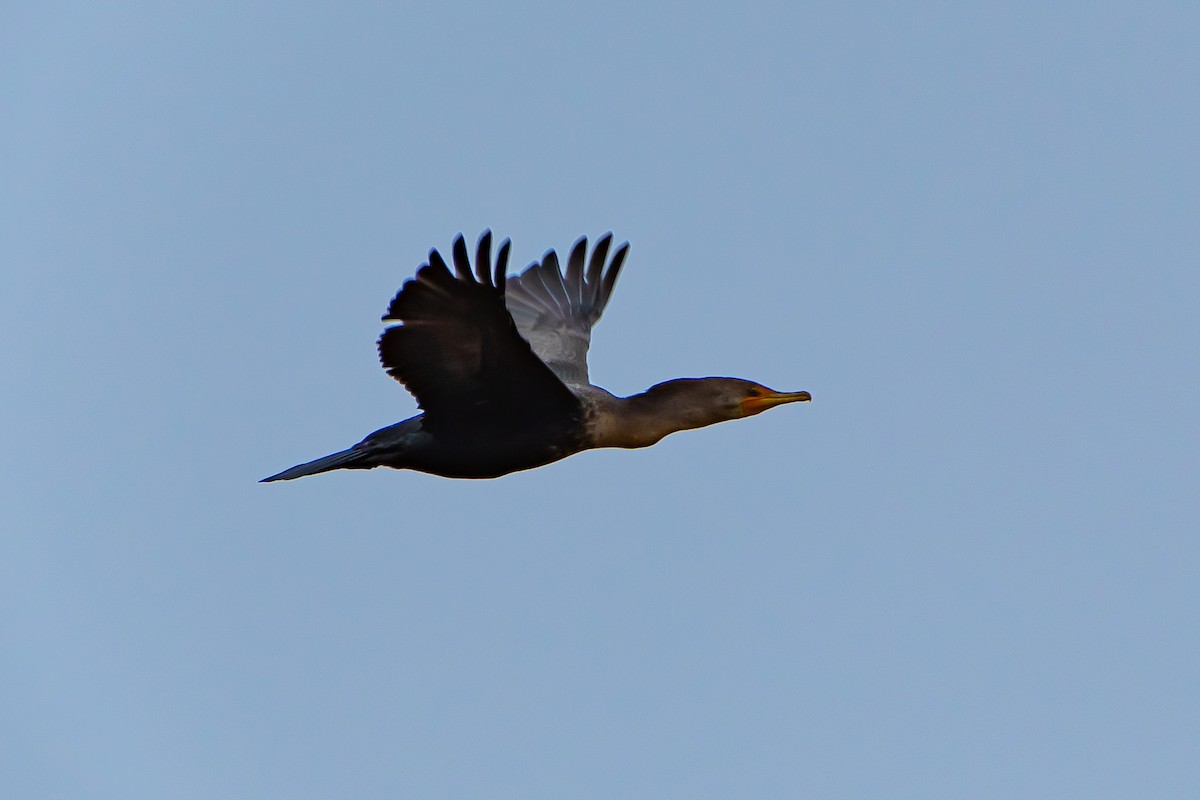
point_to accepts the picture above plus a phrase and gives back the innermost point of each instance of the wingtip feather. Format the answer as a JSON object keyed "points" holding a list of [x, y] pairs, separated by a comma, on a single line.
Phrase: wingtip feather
{"points": [[483, 258], [575, 265], [610, 276], [462, 262], [502, 264]]}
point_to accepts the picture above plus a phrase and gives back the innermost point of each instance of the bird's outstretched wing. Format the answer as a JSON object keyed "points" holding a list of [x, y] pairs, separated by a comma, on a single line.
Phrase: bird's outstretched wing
{"points": [[556, 312], [452, 342]]}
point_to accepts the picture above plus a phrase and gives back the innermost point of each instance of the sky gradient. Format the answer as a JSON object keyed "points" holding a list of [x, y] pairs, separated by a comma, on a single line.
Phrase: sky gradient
{"points": [[967, 569]]}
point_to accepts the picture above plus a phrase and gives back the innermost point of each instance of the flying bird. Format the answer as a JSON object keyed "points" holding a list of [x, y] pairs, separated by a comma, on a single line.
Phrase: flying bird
{"points": [[499, 367]]}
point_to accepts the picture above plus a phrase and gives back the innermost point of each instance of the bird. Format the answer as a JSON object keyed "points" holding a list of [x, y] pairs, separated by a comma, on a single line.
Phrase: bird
{"points": [[498, 366]]}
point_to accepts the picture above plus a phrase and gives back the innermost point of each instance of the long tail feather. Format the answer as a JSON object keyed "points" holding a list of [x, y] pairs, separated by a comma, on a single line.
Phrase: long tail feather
{"points": [[346, 459]]}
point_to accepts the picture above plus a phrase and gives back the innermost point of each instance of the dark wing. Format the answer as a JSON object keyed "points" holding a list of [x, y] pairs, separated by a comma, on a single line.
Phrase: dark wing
{"points": [[556, 312], [455, 347]]}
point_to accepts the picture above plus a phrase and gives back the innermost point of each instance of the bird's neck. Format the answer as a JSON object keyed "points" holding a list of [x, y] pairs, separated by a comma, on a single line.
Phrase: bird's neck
{"points": [[644, 419]]}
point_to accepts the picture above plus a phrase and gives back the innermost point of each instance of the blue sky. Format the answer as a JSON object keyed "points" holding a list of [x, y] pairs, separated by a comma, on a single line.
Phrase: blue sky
{"points": [[967, 569]]}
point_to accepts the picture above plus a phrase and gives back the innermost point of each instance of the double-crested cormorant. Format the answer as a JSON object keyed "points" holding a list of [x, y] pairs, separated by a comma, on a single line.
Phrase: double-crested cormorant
{"points": [[499, 367]]}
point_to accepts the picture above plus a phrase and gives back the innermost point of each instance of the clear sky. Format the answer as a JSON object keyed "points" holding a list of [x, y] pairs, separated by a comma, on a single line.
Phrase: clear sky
{"points": [[967, 569]]}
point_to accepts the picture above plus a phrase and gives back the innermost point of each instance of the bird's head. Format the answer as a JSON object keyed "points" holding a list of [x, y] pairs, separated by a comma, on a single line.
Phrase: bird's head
{"points": [[696, 402], [733, 398]]}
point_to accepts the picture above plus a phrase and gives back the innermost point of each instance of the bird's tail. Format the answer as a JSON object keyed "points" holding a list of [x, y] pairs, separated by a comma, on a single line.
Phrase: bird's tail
{"points": [[354, 458]]}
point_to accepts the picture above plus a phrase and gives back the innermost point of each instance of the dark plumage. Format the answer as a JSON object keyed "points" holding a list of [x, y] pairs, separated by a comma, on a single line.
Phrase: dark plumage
{"points": [[499, 367]]}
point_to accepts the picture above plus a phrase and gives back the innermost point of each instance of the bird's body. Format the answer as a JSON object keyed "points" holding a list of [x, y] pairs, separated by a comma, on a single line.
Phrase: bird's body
{"points": [[500, 368]]}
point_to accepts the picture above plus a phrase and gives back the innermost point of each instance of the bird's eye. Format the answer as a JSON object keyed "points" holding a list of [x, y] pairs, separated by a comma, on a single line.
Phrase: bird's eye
{"points": [[753, 392]]}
